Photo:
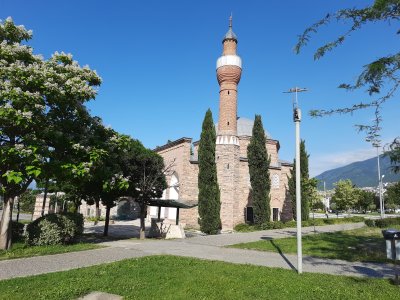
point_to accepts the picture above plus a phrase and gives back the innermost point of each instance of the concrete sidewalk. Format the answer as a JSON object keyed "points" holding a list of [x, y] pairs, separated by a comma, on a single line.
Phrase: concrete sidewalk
{"points": [[203, 247]]}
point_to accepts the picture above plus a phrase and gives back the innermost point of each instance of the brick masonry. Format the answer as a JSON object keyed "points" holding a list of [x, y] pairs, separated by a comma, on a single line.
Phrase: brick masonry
{"points": [[231, 156], [234, 182]]}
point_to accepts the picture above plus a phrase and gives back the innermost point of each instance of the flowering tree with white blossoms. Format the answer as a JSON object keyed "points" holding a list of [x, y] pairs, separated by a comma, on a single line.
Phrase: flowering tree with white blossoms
{"points": [[41, 109]]}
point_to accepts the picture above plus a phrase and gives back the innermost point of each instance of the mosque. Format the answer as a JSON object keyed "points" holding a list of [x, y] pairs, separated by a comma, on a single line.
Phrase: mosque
{"points": [[233, 136]]}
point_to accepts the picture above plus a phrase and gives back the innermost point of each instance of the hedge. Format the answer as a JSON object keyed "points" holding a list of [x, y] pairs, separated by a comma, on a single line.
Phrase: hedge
{"points": [[382, 223]]}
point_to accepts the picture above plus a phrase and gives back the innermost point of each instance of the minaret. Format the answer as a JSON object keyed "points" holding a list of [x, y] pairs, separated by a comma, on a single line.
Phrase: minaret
{"points": [[229, 69]]}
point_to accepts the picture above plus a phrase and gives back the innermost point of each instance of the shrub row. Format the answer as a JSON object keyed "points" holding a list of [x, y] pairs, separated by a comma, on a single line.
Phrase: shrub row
{"points": [[54, 229], [291, 224], [382, 223]]}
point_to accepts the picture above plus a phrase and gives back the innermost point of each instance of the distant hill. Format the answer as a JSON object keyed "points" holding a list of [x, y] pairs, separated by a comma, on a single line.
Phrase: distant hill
{"points": [[361, 173]]}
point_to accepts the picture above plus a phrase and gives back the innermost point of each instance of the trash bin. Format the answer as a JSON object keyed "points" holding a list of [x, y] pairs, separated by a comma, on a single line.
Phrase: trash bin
{"points": [[392, 237]]}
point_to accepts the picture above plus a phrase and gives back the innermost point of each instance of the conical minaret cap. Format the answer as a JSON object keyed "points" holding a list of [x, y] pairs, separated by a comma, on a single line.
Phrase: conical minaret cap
{"points": [[230, 35]]}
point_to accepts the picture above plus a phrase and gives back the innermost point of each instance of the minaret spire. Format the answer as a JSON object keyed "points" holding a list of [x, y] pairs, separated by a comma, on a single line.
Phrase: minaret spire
{"points": [[230, 35]]}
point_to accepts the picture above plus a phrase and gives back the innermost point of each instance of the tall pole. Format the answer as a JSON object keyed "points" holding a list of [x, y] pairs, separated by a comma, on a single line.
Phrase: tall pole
{"points": [[298, 190], [382, 197], [297, 120], [326, 202], [379, 182]]}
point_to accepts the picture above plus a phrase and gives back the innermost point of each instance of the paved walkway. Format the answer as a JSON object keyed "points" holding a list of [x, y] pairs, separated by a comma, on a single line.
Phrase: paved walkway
{"points": [[203, 247]]}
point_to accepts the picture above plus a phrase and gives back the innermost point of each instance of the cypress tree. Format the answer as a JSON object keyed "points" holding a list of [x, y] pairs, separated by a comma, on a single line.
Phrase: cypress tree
{"points": [[209, 196], [306, 184], [259, 173]]}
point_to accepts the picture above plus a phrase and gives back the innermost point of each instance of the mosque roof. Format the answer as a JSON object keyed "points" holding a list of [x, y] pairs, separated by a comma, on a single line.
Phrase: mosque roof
{"points": [[245, 127]]}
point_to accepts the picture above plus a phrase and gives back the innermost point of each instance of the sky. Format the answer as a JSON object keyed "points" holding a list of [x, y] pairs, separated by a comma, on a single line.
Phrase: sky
{"points": [[157, 61]]}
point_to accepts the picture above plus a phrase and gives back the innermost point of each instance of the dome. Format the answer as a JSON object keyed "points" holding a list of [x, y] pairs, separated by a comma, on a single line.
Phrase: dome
{"points": [[245, 127], [230, 35]]}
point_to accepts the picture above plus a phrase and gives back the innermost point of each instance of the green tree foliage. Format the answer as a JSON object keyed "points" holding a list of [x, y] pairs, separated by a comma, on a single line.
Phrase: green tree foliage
{"points": [[209, 194], [365, 200], [392, 195], [105, 180], [314, 198], [27, 200], [146, 173], [380, 75], [345, 196], [259, 173], [318, 205], [394, 153], [308, 186], [41, 106]]}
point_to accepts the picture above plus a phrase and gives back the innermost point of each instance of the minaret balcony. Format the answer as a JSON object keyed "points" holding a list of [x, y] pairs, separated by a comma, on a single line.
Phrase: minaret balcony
{"points": [[229, 60]]}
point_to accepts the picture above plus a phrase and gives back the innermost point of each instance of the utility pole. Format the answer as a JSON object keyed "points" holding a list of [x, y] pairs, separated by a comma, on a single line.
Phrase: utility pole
{"points": [[297, 120]]}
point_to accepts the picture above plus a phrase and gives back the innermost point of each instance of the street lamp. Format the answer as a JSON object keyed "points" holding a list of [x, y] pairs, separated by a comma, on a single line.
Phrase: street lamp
{"points": [[380, 182], [297, 120], [381, 199]]}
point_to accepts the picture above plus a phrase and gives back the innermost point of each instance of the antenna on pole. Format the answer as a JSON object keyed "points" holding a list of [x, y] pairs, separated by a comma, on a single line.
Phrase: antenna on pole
{"points": [[296, 110], [297, 119]]}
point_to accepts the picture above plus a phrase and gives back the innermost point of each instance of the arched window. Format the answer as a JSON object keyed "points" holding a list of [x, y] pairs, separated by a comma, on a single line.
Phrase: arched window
{"points": [[174, 187]]}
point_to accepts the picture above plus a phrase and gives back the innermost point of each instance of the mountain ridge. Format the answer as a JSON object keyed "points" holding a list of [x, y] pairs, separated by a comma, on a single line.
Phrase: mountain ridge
{"points": [[361, 173]]}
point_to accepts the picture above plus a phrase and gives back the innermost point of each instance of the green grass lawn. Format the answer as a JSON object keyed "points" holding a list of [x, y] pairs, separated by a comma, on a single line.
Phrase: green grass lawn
{"points": [[20, 250], [363, 244], [169, 277]]}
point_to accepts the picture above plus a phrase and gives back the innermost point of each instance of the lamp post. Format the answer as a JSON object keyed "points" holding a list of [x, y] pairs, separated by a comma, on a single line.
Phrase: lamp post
{"points": [[297, 120], [380, 183], [381, 196]]}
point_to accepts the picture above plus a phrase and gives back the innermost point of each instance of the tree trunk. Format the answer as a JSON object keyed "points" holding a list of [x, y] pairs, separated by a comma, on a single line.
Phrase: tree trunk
{"points": [[97, 215], [46, 187], [18, 209], [143, 213], [5, 224], [107, 221]]}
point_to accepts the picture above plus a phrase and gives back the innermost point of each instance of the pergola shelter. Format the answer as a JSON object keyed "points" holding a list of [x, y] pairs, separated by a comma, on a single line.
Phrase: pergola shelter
{"points": [[170, 203]]}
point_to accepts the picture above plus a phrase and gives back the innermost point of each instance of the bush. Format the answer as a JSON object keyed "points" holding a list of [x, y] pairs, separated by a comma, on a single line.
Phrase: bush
{"points": [[383, 223], [370, 223], [290, 224], [272, 225], [243, 228], [354, 219], [78, 220], [17, 230], [55, 229], [315, 222], [329, 221]]}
